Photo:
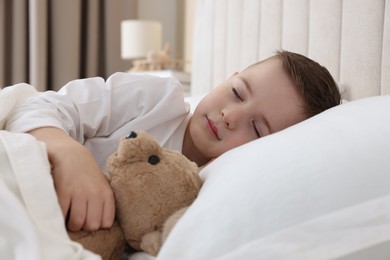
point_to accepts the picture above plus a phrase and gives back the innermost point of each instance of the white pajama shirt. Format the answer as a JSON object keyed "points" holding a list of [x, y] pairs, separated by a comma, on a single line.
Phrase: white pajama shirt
{"points": [[98, 113]]}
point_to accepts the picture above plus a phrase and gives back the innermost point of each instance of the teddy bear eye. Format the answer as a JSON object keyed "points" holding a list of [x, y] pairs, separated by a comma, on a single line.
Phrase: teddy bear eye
{"points": [[132, 134], [153, 160]]}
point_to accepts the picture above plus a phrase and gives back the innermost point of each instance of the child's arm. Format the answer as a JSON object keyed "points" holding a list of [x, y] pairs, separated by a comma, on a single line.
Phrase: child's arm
{"points": [[89, 109], [84, 193]]}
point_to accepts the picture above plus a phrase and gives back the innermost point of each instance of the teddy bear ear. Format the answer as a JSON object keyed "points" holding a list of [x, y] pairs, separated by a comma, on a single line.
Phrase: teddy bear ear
{"points": [[132, 134]]}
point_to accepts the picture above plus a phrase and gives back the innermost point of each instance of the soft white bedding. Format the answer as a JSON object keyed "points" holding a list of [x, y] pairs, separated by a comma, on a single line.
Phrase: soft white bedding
{"points": [[31, 222], [317, 190]]}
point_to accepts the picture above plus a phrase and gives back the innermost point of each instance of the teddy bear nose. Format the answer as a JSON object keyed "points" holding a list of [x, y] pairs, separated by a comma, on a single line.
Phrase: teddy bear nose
{"points": [[132, 134], [153, 159]]}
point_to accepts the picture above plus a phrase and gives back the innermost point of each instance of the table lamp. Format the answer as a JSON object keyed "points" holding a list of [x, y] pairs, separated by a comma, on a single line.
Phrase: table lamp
{"points": [[138, 37]]}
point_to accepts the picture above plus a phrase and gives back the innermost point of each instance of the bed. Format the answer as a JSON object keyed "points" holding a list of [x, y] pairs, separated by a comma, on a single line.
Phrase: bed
{"points": [[317, 190]]}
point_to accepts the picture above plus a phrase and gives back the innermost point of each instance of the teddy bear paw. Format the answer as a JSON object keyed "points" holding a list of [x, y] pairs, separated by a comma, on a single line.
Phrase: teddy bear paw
{"points": [[151, 243]]}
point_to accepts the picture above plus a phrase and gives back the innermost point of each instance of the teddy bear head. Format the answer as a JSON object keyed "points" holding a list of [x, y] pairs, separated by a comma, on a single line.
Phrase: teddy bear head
{"points": [[150, 183]]}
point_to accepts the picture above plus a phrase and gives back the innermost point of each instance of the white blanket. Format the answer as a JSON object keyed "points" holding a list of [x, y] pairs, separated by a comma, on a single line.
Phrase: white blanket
{"points": [[31, 222]]}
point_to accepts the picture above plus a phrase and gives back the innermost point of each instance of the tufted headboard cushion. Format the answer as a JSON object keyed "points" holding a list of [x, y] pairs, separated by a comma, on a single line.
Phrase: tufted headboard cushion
{"points": [[351, 38]]}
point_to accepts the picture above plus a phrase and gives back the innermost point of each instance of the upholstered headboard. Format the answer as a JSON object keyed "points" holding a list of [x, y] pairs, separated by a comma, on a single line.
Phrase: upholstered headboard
{"points": [[351, 38]]}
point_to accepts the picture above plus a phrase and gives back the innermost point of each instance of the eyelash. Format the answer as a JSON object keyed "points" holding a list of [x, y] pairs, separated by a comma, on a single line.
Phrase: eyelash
{"points": [[255, 128], [235, 92]]}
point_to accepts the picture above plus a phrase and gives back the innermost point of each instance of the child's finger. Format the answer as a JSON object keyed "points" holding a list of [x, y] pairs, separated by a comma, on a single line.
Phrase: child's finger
{"points": [[94, 215], [108, 212], [77, 214], [64, 202]]}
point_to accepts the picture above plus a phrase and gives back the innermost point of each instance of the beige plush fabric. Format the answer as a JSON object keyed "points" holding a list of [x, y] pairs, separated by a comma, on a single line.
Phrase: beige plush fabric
{"points": [[351, 38]]}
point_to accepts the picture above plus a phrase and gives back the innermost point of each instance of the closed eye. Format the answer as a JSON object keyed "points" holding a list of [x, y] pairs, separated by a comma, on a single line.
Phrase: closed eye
{"points": [[256, 130], [235, 92]]}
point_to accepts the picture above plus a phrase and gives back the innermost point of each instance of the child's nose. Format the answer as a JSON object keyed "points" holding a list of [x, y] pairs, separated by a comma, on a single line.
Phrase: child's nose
{"points": [[229, 117]]}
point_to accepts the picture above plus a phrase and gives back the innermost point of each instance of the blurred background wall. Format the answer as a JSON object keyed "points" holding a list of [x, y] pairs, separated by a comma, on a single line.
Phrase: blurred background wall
{"points": [[49, 42]]}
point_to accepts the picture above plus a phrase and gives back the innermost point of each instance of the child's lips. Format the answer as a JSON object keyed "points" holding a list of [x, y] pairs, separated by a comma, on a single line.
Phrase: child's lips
{"points": [[213, 130]]}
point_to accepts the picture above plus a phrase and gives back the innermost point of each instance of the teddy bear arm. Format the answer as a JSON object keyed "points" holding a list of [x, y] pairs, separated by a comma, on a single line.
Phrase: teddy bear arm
{"points": [[108, 243], [171, 222], [151, 242]]}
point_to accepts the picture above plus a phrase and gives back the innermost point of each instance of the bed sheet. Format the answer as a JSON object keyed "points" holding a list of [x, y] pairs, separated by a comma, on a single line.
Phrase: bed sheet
{"points": [[31, 223]]}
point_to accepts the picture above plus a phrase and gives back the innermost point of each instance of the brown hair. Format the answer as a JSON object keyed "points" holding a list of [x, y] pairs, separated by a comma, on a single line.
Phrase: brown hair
{"points": [[314, 81]]}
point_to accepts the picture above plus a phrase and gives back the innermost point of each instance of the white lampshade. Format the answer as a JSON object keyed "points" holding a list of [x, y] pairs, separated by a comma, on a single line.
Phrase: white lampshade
{"points": [[139, 37]]}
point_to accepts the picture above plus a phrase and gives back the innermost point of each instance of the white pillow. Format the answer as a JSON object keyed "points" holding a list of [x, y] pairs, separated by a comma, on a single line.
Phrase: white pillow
{"points": [[317, 190]]}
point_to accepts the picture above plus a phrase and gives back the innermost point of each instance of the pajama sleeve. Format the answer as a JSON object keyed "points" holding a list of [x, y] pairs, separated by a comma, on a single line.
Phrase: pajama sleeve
{"points": [[93, 107]]}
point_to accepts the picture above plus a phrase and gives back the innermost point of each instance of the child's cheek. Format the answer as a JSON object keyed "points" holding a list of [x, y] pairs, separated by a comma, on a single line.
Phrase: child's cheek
{"points": [[239, 140]]}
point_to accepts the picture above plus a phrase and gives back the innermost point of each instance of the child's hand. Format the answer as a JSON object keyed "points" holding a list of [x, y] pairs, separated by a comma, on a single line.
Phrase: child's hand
{"points": [[84, 193]]}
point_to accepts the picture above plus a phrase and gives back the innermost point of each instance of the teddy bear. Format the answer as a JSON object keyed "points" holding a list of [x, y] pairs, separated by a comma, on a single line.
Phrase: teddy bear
{"points": [[153, 187]]}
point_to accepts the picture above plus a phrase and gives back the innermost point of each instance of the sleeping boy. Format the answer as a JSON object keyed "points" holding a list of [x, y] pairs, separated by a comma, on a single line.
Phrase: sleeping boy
{"points": [[82, 123]]}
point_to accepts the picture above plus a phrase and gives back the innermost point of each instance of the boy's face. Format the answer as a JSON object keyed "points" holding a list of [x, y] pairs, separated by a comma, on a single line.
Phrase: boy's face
{"points": [[256, 102]]}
